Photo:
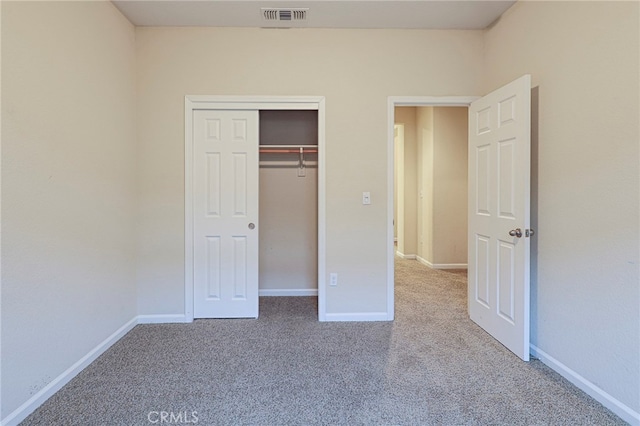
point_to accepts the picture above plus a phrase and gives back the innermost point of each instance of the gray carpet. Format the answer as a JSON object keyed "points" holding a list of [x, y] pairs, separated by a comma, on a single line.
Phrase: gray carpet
{"points": [[431, 366]]}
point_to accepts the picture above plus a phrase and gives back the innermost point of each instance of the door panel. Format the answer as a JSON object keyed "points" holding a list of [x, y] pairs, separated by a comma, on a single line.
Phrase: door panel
{"points": [[225, 212], [499, 173]]}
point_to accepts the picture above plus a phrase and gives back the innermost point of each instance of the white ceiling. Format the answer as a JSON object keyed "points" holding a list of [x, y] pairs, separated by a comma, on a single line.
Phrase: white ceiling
{"points": [[423, 14]]}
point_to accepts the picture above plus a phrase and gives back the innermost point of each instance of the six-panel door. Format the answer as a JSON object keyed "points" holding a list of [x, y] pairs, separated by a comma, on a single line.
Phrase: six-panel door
{"points": [[225, 213], [499, 179]]}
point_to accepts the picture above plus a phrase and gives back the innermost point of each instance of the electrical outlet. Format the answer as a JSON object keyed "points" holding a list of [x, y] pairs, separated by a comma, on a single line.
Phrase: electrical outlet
{"points": [[333, 279], [366, 198], [302, 171]]}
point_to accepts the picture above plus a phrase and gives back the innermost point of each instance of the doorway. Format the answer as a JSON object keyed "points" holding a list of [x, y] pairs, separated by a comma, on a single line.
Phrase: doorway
{"points": [[499, 233], [431, 145], [392, 104]]}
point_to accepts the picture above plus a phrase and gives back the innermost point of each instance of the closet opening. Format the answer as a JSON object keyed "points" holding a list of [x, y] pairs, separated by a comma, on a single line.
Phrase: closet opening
{"points": [[254, 203], [288, 203]]}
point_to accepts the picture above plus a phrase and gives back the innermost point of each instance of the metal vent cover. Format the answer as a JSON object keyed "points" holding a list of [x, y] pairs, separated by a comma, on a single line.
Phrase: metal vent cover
{"points": [[287, 15]]}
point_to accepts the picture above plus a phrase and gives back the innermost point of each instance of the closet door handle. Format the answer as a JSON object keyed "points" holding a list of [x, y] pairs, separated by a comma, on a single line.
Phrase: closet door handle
{"points": [[252, 225]]}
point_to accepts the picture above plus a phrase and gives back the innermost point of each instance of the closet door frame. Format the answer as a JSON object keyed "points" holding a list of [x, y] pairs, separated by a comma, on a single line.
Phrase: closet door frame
{"points": [[205, 102]]}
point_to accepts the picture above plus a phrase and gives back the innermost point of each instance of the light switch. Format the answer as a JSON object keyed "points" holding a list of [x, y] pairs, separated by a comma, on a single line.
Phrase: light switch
{"points": [[333, 279], [366, 198]]}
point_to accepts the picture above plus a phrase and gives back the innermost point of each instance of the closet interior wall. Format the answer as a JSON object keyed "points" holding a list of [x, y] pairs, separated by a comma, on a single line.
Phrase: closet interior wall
{"points": [[288, 205]]}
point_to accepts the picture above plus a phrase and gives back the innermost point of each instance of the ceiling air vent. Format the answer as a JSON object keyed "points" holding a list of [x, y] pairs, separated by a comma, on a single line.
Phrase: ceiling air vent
{"points": [[270, 14]]}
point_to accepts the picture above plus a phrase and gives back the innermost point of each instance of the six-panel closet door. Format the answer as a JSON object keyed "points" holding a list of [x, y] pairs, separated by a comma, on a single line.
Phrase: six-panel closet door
{"points": [[225, 213]]}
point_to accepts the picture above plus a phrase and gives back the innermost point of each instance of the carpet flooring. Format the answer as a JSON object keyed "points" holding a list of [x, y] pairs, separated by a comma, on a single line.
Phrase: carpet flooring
{"points": [[431, 366]]}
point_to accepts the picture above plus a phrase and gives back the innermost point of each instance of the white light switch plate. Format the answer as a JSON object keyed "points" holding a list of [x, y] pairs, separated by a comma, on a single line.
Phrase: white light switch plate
{"points": [[366, 198], [333, 279]]}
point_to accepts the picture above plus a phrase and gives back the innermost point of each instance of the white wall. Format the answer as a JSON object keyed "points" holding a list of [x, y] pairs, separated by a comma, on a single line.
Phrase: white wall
{"points": [[583, 58], [288, 229], [68, 158], [345, 66]]}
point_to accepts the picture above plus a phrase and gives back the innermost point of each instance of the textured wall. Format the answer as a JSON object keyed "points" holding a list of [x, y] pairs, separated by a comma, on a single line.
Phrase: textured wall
{"points": [[583, 58], [68, 187], [346, 67]]}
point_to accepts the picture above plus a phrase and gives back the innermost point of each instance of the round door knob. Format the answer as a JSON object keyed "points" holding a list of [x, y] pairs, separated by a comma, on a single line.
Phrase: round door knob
{"points": [[252, 226], [516, 232]]}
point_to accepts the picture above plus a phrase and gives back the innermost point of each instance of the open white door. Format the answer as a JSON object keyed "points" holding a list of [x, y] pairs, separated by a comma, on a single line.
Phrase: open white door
{"points": [[225, 213], [499, 191]]}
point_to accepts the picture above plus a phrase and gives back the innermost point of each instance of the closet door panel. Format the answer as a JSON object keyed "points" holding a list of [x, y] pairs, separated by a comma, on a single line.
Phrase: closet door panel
{"points": [[225, 206]]}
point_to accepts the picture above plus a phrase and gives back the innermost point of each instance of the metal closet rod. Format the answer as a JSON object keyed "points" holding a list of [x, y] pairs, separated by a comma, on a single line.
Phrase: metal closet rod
{"points": [[293, 149]]}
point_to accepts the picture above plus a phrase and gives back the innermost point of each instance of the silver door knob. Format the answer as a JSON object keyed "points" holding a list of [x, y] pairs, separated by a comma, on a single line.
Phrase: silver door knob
{"points": [[516, 232], [252, 226]]}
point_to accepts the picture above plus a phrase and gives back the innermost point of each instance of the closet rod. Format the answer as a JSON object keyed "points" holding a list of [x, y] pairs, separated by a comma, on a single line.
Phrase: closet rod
{"points": [[286, 151], [288, 146]]}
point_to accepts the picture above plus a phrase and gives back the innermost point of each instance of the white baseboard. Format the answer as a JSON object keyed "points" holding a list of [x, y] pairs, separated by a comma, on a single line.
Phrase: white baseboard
{"points": [[162, 319], [288, 292], [365, 316], [56, 384], [441, 265], [621, 410], [405, 256]]}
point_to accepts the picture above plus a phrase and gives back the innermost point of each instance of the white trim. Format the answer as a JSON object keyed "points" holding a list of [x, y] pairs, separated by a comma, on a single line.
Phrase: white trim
{"points": [[392, 102], [358, 316], [620, 409], [406, 256], [322, 216], [189, 106], [0, 223], [435, 101], [163, 319], [56, 384], [194, 102], [255, 102], [425, 262], [288, 292]]}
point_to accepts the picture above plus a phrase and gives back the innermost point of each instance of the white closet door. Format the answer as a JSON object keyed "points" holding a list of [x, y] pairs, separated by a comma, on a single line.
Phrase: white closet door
{"points": [[225, 213]]}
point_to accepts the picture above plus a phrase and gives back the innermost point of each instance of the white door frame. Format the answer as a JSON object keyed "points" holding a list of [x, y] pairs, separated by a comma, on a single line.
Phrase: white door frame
{"points": [[192, 103], [392, 103]]}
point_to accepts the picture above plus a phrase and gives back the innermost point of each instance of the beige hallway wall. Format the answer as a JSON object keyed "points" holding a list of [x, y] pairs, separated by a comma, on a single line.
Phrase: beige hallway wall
{"points": [[450, 142], [442, 186], [424, 124], [407, 242]]}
